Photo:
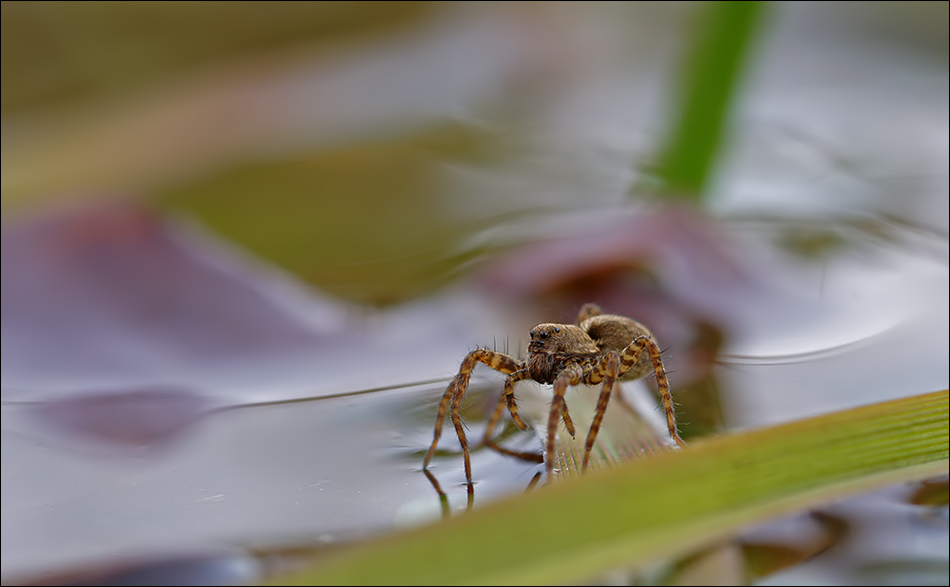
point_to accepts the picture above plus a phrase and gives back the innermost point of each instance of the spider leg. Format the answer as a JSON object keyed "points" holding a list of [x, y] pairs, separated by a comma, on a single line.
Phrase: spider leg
{"points": [[510, 396], [460, 431], [568, 423], [487, 440], [446, 398], [588, 311], [571, 375], [629, 357], [605, 370], [455, 394], [507, 397], [495, 416]]}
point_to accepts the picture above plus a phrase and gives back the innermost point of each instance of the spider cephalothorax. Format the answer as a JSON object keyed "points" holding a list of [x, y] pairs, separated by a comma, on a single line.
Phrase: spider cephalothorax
{"points": [[553, 346], [598, 348]]}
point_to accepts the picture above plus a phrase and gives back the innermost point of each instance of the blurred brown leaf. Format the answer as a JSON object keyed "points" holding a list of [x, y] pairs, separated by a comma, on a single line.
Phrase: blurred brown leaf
{"points": [[933, 492], [110, 293], [111, 288], [55, 52]]}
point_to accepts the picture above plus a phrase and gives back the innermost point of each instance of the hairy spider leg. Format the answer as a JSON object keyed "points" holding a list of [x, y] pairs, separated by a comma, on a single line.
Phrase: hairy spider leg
{"points": [[487, 440], [628, 358], [493, 421], [446, 398], [455, 393], [606, 370], [568, 423], [571, 375], [508, 397], [588, 311]]}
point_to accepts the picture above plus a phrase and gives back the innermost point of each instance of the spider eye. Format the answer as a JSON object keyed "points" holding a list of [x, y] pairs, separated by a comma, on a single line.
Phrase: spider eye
{"points": [[531, 334], [543, 334], [556, 329]]}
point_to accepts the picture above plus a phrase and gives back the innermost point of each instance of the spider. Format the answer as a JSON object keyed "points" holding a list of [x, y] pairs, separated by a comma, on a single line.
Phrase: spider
{"points": [[597, 348]]}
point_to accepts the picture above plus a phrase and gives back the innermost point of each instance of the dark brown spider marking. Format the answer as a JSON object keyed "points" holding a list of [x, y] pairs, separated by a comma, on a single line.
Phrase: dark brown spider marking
{"points": [[599, 348]]}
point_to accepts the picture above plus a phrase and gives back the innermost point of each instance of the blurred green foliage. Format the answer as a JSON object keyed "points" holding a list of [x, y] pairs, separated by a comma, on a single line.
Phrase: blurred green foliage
{"points": [[66, 52], [721, 46], [350, 218]]}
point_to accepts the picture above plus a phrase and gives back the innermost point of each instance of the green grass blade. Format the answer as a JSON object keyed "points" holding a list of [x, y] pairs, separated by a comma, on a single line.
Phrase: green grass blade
{"points": [[708, 86], [661, 506]]}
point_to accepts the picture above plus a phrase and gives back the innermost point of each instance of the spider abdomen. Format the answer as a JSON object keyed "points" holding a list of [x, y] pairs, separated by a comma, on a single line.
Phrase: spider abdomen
{"points": [[611, 332]]}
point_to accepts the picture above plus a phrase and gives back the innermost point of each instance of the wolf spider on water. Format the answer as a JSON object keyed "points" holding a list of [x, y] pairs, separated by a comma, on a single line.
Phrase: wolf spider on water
{"points": [[598, 348]]}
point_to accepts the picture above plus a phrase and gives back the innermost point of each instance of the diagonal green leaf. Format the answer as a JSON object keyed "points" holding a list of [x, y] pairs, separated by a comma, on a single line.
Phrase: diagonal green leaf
{"points": [[657, 507]]}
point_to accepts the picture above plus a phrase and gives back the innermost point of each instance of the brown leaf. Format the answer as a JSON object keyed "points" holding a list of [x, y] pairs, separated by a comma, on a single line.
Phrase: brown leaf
{"points": [[109, 289]]}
